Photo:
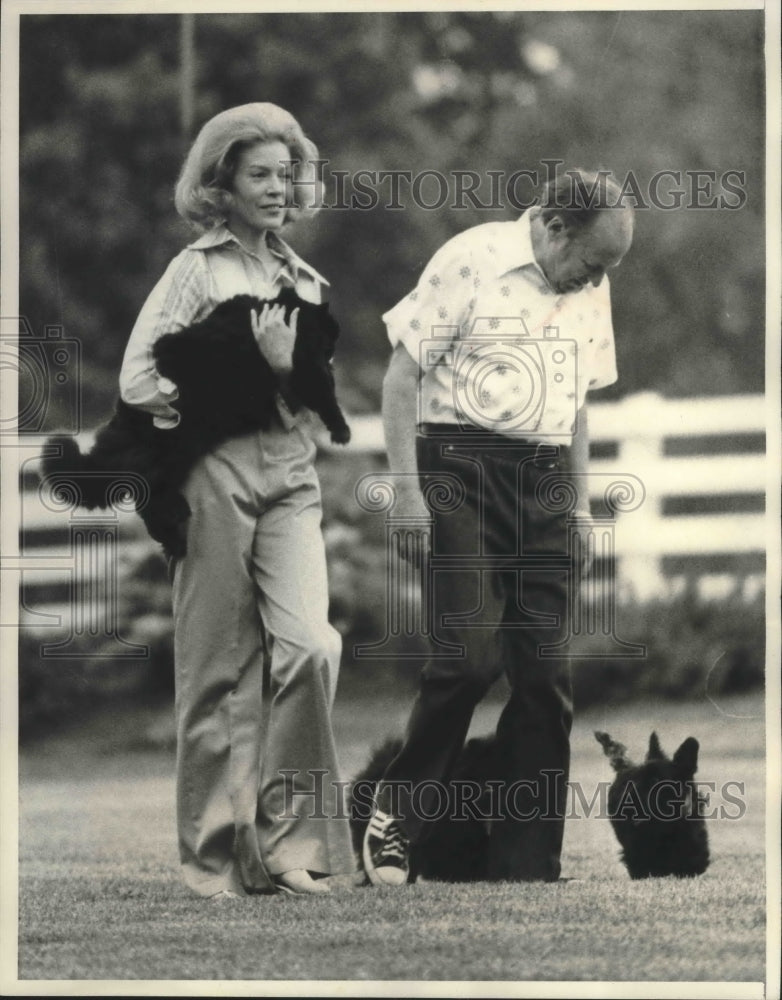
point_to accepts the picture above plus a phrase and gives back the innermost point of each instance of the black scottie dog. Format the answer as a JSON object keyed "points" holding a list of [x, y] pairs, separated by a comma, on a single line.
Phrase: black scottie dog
{"points": [[226, 388], [656, 810], [457, 846]]}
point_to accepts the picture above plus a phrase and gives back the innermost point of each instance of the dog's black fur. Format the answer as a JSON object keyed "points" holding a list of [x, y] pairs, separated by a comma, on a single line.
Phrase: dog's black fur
{"points": [[455, 850], [656, 810], [226, 388], [640, 800]]}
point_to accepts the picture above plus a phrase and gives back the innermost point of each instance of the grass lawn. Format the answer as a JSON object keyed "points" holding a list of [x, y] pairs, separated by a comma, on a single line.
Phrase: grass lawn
{"points": [[100, 896]]}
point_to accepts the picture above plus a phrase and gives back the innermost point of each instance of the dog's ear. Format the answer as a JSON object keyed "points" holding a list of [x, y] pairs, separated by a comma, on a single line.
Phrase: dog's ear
{"points": [[616, 752], [687, 755], [655, 750], [288, 299]]}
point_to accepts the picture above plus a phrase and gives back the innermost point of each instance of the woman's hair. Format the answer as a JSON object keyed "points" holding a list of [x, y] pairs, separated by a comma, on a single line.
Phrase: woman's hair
{"points": [[203, 191]]}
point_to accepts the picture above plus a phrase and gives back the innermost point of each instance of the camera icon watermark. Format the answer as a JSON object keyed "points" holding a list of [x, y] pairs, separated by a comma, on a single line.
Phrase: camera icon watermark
{"points": [[47, 367], [504, 380]]}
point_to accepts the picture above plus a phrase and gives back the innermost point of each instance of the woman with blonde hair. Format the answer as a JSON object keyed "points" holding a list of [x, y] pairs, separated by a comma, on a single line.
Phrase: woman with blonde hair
{"points": [[249, 768]]}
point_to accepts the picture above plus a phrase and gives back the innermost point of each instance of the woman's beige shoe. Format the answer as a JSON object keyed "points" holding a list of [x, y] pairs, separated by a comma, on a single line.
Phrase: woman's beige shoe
{"points": [[299, 882], [224, 896]]}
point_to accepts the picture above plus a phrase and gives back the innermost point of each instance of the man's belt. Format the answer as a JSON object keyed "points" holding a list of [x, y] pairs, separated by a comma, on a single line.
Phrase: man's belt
{"points": [[543, 454]]}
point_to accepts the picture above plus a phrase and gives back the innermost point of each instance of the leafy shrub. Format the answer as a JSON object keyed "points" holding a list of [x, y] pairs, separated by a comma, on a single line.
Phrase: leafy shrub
{"points": [[692, 646]]}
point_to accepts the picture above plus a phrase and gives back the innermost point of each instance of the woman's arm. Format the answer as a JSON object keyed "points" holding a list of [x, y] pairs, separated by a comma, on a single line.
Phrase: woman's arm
{"points": [[179, 299]]}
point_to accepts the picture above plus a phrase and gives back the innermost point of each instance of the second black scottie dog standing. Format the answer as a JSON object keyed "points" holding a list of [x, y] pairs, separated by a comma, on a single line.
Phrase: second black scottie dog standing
{"points": [[656, 810], [226, 388]]}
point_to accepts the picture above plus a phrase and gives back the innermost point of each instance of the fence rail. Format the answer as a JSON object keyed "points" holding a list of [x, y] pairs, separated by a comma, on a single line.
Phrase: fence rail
{"points": [[724, 467], [706, 452]]}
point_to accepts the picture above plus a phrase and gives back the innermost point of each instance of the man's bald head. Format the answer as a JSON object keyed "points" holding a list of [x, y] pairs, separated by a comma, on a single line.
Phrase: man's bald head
{"points": [[579, 229]]}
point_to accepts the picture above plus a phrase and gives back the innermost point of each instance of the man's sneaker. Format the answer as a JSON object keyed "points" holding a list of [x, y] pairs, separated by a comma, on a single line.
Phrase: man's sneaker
{"points": [[386, 850]]}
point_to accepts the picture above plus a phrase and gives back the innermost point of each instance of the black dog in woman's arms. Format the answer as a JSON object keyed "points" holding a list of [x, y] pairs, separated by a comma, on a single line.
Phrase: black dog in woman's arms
{"points": [[226, 388]]}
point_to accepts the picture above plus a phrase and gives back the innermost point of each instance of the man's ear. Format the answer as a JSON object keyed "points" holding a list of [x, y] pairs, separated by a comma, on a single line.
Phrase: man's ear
{"points": [[554, 222]]}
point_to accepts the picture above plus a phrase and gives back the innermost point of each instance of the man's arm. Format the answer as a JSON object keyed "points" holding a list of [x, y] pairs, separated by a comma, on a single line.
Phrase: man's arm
{"points": [[580, 463], [400, 411], [580, 460]]}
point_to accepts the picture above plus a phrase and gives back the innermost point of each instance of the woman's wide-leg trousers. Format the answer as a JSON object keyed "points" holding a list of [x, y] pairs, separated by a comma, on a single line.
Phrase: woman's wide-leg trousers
{"points": [[257, 770]]}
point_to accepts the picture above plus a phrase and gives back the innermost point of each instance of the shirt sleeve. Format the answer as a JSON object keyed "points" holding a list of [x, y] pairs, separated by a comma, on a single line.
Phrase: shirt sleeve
{"points": [[602, 351], [176, 301], [438, 306]]}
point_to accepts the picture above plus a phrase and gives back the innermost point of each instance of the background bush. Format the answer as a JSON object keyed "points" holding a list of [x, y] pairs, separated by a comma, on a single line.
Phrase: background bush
{"points": [[693, 647]]}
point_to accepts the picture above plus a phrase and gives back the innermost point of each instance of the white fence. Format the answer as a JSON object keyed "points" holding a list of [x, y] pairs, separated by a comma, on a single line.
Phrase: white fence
{"points": [[640, 431], [645, 427], [657, 547]]}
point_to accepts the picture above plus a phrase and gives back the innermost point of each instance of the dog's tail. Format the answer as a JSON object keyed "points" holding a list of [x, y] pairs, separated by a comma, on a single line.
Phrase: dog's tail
{"points": [[71, 470], [616, 752]]}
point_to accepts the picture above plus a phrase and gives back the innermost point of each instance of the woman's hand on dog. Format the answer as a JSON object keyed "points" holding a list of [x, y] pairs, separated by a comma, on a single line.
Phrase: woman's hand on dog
{"points": [[274, 336]]}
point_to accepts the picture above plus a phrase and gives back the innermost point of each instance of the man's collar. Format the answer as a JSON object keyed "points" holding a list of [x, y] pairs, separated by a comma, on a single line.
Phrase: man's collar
{"points": [[222, 235], [515, 248]]}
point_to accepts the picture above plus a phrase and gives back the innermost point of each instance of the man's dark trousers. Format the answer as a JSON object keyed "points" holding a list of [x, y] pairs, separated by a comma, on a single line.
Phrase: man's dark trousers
{"points": [[506, 512]]}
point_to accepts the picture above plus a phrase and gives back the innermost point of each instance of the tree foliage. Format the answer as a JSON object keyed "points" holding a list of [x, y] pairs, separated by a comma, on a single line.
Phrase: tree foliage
{"points": [[101, 146]]}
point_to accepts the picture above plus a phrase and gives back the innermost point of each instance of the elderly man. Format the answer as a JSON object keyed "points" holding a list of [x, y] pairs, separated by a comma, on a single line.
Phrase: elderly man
{"points": [[494, 352]]}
